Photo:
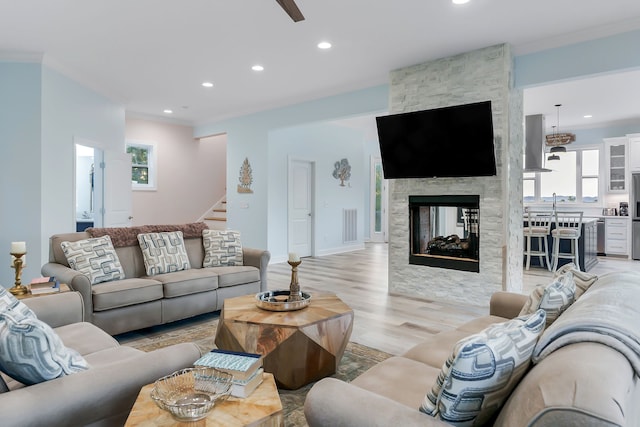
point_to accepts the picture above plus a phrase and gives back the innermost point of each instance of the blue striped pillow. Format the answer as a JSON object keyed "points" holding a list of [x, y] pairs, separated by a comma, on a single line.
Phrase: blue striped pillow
{"points": [[30, 351], [482, 371]]}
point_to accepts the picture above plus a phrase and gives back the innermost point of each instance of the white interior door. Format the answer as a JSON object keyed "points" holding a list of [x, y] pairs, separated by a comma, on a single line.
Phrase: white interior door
{"points": [[379, 202], [117, 189], [300, 207]]}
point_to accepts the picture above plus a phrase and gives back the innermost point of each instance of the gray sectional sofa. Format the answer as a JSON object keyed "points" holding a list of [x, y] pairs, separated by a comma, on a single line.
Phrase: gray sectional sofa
{"points": [[104, 394], [140, 301], [586, 371]]}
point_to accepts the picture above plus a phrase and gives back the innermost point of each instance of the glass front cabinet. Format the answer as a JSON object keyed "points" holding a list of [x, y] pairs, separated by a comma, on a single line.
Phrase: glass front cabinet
{"points": [[616, 154]]}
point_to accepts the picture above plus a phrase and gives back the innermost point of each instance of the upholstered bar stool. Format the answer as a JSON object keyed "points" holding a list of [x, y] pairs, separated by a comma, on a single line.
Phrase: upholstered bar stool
{"points": [[538, 227], [568, 227]]}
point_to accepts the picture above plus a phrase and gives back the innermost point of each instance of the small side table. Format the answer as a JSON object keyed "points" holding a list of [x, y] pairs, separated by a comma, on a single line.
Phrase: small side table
{"points": [[63, 288], [262, 408]]}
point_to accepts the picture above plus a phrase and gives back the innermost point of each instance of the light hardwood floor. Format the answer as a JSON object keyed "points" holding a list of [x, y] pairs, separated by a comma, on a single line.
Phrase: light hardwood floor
{"points": [[388, 322]]}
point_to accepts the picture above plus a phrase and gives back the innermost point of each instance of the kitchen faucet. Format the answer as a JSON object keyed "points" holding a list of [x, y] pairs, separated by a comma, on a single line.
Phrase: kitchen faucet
{"points": [[554, 202]]}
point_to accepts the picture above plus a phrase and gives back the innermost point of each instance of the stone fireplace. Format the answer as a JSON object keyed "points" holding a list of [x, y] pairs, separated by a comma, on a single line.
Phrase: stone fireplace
{"points": [[496, 263]]}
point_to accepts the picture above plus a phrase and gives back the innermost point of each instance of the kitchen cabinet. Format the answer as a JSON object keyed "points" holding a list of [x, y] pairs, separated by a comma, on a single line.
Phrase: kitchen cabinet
{"points": [[634, 153], [616, 157], [617, 236]]}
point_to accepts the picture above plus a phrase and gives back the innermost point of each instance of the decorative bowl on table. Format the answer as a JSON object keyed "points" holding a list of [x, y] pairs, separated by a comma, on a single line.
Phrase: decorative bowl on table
{"points": [[189, 394]]}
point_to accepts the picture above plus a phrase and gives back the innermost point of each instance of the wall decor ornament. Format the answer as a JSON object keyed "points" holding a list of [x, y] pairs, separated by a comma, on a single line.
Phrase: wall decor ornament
{"points": [[246, 179], [342, 171]]}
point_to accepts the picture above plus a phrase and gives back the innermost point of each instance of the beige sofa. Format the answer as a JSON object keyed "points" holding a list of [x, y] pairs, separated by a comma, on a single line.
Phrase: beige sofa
{"points": [[101, 396], [586, 381], [141, 301]]}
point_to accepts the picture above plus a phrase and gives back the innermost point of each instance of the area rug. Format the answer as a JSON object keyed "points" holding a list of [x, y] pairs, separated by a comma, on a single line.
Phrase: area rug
{"points": [[201, 330]]}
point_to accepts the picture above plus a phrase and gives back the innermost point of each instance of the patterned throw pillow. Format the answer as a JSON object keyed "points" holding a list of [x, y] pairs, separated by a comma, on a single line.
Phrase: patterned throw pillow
{"points": [[554, 298], [482, 371], [30, 351], [583, 280], [95, 258], [163, 252], [221, 248]]}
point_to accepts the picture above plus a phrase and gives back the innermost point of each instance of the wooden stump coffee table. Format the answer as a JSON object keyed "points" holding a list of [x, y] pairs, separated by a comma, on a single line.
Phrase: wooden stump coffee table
{"points": [[299, 347]]}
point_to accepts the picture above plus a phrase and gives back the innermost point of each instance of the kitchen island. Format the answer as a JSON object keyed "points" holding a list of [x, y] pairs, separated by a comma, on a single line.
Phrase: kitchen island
{"points": [[587, 246]]}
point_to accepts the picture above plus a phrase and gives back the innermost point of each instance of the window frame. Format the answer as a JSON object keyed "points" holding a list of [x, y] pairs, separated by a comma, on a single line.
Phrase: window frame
{"points": [[152, 153], [579, 177]]}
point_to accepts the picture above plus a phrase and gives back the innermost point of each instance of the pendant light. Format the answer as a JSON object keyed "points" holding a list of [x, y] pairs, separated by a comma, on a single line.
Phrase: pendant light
{"points": [[558, 138]]}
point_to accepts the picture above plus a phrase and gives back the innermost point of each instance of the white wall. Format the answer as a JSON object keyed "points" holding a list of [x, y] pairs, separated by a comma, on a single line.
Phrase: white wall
{"points": [[249, 137], [323, 144], [20, 165], [191, 173], [41, 113]]}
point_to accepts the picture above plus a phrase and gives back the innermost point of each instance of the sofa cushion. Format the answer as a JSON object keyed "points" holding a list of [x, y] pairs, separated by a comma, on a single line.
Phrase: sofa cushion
{"points": [[188, 282], [95, 258], [482, 370], [221, 248], [163, 252], [85, 338], [232, 276], [398, 378], [435, 350], [31, 352], [554, 298], [583, 280], [125, 292], [112, 356]]}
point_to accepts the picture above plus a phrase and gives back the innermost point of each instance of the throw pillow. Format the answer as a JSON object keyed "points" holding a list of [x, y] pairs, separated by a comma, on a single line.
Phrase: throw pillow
{"points": [[10, 303], [554, 298], [30, 351], [482, 371], [95, 258], [163, 252], [583, 279], [221, 248]]}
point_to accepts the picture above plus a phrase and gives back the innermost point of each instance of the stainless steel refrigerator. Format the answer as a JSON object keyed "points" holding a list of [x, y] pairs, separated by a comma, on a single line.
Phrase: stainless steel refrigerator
{"points": [[635, 216]]}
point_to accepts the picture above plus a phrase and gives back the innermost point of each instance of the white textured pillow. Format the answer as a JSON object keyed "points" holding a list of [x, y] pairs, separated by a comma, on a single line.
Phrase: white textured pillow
{"points": [[163, 252], [95, 258], [221, 248], [482, 371], [554, 298], [30, 351], [583, 280]]}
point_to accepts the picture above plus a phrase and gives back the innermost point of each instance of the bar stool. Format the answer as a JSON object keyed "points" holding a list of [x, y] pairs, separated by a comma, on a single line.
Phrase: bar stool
{"points": [[568, 227], [538, 226]]}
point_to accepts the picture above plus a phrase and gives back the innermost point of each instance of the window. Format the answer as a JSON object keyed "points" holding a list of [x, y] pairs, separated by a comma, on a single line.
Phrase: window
{"points": [[143, 164], [575, 178]]}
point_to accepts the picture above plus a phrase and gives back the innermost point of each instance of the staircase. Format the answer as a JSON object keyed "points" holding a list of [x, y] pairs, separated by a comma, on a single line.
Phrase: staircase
{"points": [[216, 216]]}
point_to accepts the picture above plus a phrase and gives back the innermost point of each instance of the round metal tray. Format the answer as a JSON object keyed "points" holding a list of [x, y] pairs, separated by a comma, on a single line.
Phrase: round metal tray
{"points": [[279, 301]]}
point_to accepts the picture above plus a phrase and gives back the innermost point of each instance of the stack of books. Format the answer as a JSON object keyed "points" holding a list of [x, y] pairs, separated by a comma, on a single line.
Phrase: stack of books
{"points": [[246, 369], [44, 285]]}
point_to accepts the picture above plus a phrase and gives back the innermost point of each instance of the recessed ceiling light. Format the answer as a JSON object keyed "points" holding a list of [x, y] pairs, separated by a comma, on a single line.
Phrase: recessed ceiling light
{"points": [[587, 116], [460, 1], [167, 111], [257, 68], [324, 45], [207, 84]]}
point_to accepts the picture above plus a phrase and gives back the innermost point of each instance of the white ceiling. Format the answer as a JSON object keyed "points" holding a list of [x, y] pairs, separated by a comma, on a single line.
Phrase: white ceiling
{"points": [[154, 54]]}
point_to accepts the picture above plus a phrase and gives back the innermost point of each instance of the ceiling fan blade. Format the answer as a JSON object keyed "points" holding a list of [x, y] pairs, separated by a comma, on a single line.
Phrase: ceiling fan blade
{"points": [[292, 10]]}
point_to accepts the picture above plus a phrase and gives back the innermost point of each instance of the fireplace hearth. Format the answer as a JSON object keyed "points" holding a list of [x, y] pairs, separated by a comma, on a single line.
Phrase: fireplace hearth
{"points": [[445, 231]]}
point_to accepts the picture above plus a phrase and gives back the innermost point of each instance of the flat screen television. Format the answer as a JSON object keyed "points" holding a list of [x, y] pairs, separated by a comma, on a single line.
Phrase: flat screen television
{"points": [[452, 141]]}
